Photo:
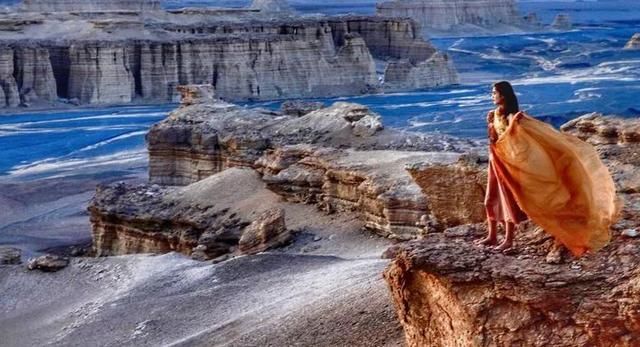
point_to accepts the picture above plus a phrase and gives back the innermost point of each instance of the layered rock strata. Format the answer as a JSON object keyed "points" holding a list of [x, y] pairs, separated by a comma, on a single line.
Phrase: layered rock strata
{"points": [[450, 292], [197, 141], [272, 6], [435, 71], [634, 42], [207, 220], [447, 14], [89, 5], [109, 58], [340, 158], [301, 159]]}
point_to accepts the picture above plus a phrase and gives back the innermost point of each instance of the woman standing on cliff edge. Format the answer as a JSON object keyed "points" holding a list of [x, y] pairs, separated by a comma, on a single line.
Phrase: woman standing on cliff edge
{"points": [[555, 179]]}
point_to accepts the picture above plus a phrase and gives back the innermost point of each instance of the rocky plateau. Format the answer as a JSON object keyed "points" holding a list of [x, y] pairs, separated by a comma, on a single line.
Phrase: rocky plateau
{"points": [[450, 292], [339, 158]]}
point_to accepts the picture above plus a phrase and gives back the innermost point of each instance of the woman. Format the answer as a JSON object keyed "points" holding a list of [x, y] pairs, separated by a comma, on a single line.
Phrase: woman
{"points": [[500, 205], [555, 179]]}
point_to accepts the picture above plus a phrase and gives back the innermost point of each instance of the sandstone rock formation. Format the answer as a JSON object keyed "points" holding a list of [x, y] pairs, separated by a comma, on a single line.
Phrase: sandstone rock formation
{"points": [[35, 73], [634, 42], [89, 5], [300, 108], [196, 94], [48, 263], [447, 14], [272, 6], [121, 56], [561, 22], [197, 141], [267, 231], [9, 96], [340, 158], [435, 71], [209, 217], [450, 292]]}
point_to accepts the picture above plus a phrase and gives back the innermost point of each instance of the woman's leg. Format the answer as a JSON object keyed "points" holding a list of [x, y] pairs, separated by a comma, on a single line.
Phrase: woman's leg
{"points": [[491, 236], [508, 237]]}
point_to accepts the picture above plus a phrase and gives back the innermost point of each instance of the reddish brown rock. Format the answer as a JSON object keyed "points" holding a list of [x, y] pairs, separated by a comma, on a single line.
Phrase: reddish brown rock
{"points": [[48, 263], [267, 231], [450, 292], [207, 217]]}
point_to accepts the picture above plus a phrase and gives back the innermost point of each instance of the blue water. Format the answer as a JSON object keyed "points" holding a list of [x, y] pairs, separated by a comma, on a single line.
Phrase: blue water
{"points": [[557, 77]]}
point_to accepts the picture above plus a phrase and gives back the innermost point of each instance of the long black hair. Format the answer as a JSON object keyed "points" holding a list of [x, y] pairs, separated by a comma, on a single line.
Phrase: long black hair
{"points": [[510, 100]]}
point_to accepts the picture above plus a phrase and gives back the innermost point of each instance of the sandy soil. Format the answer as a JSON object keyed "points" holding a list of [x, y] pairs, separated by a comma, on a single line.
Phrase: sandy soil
{"points": [[324, 289]]}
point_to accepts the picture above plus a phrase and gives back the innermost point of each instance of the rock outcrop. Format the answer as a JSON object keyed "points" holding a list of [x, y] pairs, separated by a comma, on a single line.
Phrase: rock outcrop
{"points": [[208, 218], [272, 6], [267, 231], [9, 95], [561, 22], [340, 158], [634, 42], [450, 292], [447, 14], [198, 141], [48, 263], [99, 74], [89, 5], [34, 73], [118, 57], [300, 108], [435, 71]]}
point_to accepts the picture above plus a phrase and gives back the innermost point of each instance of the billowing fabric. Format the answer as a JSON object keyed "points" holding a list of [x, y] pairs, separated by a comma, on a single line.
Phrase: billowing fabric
{"points": [[559, 182]]}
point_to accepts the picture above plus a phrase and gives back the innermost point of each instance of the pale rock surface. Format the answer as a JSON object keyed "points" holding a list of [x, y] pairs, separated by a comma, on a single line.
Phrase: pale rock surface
{"points": [[115, 57], [98, 74], [9, 95], [272, 6], [268, 230], [299, 107], [339, 157], [634, 42], [209, 216], [34, 73], [436, 71], [447, 14], [89, 5], [196, 94]]}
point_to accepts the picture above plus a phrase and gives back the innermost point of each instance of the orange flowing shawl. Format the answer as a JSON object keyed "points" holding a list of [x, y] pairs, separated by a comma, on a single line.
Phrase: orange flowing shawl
{"points": [[559, 182]]}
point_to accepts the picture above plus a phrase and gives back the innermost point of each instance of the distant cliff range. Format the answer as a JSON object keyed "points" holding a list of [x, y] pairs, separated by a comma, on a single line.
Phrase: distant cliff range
{"points": [[96, 55], [89, 5], [461, 16]]}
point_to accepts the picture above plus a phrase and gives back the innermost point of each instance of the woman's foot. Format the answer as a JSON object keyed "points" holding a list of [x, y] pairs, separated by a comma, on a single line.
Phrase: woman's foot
{"points": [[487, 241], [504, 246]]}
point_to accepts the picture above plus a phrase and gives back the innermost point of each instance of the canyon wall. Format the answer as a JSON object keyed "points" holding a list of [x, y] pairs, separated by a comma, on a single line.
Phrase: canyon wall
{"points": [[252, 60], [447, 14], [89, 5]]}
